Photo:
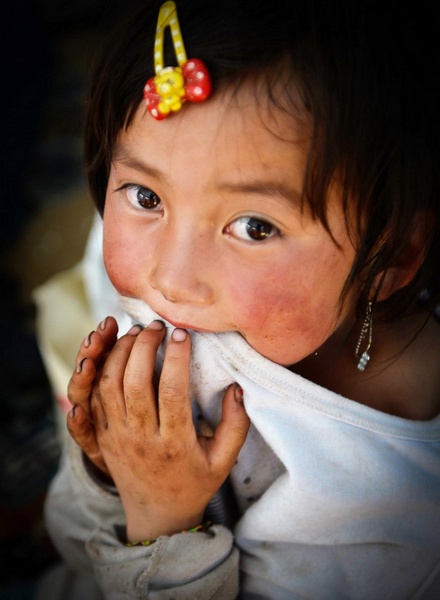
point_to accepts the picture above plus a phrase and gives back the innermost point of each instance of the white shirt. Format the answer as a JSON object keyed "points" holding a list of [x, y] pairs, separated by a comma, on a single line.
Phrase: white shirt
{"points": [[338, 500]]}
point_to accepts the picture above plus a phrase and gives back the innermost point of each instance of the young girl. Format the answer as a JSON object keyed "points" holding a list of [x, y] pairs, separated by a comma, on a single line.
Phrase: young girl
{"points": [[276, 244]]}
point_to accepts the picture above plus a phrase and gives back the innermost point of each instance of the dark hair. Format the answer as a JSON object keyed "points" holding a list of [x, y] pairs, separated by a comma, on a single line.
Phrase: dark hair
{"points": [[367, 75]]}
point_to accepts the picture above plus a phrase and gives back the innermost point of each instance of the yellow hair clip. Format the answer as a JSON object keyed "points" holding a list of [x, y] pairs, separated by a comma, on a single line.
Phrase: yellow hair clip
{"points": [[172, 86]]}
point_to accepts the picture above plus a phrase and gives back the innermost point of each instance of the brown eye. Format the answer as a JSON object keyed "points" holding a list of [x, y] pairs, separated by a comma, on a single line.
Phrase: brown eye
{"points": [[251, 229], [259, 230], [147, 198]]}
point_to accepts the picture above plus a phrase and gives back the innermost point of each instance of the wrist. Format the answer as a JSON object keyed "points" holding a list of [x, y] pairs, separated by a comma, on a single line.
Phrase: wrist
{"points": [[202, 528], [150, 526]]}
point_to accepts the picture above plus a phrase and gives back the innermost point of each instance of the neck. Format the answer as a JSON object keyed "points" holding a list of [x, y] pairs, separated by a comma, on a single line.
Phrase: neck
{"points": [[402, 377]]}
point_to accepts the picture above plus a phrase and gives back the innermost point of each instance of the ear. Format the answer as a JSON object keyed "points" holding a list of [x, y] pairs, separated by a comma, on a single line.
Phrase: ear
{"points": [[404, 269]]}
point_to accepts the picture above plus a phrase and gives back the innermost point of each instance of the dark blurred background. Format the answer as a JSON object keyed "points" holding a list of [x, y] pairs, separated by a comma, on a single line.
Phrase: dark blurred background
{"points": [[45, 216]]}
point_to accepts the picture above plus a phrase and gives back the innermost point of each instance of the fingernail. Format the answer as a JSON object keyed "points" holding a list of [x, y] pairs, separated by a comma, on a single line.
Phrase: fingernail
{"points": [[88, 340], [134, 330], [80, 366], [156, 325], [179, 335], [103, 324], [238, 393]]}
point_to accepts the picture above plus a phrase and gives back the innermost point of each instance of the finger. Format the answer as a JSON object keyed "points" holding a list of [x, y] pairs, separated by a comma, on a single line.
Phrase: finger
{"points": [[83, 432], [98, 342], [80, 384], [231, 432], [174, 400], [98, 414], [108, 395], [140, 378], [108, 328], [91, 354]]}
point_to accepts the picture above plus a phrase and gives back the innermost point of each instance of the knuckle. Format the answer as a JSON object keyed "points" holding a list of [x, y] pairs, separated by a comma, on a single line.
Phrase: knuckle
{"points": [[177, 419], [135, 390], [170, 452], [174, 361], [71, 396], [79, 435], [73, 386], [170, 391], [239, 430], [134, 379], [71, 429], [141, 446]]}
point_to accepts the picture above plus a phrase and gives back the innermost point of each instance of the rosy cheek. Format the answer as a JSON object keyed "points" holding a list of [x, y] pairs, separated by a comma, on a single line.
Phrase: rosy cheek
{"points": [[120, 268], [262, 295], [283, 306]]}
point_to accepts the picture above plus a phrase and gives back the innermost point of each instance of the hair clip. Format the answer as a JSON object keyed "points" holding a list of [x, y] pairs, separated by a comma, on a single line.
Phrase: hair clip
{"points": [[172, 86]]}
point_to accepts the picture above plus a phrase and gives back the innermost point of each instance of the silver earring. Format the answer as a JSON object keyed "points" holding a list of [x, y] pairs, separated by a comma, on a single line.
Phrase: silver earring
{"points": [[366, 333]]}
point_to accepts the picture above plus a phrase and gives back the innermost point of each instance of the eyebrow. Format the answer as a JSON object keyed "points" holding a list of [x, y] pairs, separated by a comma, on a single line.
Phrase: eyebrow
{"points": [[265, 188], [277, 189], [122, 155]]}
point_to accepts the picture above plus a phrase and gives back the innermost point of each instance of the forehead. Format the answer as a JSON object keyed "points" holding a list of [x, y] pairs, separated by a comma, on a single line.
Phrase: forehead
{"points": [[235, 131]]}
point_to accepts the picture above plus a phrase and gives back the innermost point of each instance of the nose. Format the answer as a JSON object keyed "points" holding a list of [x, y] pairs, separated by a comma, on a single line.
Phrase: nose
{"points": [[181, 267]]}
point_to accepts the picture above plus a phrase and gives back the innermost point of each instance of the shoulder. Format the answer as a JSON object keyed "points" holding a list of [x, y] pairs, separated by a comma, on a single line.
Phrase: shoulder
{"points": [[403, 378], [414, 376]]}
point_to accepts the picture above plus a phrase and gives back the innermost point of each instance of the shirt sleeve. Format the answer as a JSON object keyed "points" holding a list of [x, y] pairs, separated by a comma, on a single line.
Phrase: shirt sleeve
{"points": [[83, 516]]}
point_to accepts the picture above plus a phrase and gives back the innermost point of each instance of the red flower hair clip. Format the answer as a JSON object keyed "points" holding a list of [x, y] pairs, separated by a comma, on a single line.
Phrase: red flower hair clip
{"points": [[172, 86]]}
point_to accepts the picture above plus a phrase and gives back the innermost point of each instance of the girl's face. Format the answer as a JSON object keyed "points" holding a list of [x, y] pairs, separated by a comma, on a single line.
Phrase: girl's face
{"points": [[203, 222]]}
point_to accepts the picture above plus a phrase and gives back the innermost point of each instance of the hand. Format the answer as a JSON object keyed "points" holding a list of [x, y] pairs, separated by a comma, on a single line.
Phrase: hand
{"points": [[164, 473], [89, 360]]}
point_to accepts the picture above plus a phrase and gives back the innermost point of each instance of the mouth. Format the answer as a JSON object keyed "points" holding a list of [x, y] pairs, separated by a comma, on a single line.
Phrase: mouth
{"points": [[181, 325], [144, 314]]}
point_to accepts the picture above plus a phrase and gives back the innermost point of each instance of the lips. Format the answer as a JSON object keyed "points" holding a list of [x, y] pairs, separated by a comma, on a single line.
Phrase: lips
{"points": [[141, 312], [179, 325]]}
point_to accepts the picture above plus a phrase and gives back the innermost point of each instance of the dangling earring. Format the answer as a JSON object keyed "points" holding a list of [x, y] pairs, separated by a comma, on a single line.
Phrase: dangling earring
{"points": [[366, 332]]}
